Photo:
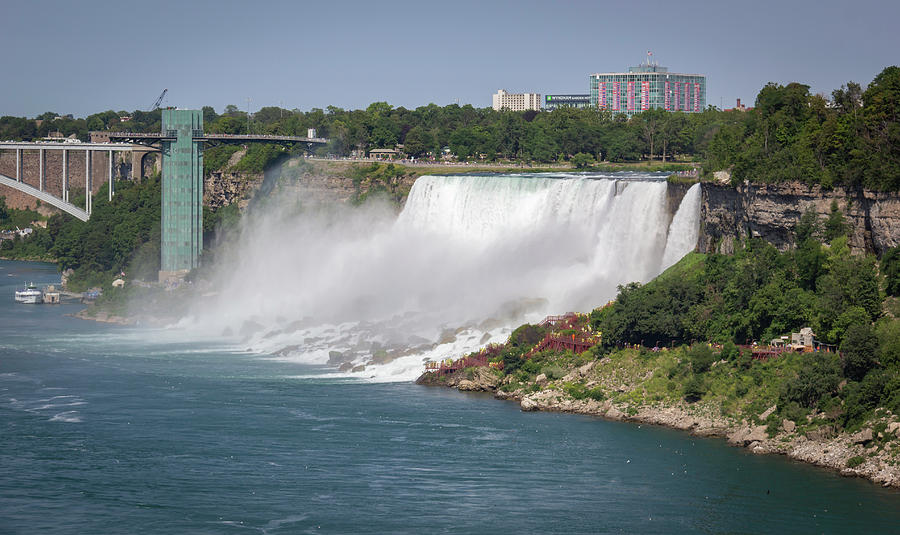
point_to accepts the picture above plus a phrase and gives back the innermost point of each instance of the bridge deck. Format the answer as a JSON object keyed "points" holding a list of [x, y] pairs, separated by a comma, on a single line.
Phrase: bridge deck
{"points": [[26, 145], [156, 136]]}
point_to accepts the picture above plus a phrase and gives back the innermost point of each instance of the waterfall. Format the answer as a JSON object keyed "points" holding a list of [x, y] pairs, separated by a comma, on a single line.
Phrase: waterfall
{"points": [[685, 228], [467, 259]]}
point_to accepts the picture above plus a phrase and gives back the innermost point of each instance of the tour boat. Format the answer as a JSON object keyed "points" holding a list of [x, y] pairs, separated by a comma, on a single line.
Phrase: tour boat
{"points": [[30, 295]]}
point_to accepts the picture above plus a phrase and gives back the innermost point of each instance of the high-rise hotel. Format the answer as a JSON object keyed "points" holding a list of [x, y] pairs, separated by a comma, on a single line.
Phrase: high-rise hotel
{"points": [[648, 86]]}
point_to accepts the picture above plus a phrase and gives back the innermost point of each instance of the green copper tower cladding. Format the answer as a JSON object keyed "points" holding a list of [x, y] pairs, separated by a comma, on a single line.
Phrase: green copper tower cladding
{"points": [[182, 192]]}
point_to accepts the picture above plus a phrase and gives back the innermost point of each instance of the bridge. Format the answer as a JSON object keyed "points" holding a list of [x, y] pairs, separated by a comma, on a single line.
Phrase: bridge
{"points": [[40, 192], [181, 144], [153, 138]]}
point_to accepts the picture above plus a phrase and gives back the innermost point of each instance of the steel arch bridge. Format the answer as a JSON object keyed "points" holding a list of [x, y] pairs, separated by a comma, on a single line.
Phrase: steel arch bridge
{"points": [[181, 145]]}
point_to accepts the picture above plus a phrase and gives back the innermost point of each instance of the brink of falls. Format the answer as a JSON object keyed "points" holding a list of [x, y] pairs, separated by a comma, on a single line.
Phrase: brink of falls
{"points": [[467, 259]]}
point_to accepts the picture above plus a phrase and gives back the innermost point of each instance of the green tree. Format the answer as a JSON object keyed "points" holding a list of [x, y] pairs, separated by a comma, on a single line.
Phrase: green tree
{"points": [[418, 141], [835, 225], [881, 112], [701, 357], [890, 268], [582, 160], [858, 348], [818, 377], [888, 333]]}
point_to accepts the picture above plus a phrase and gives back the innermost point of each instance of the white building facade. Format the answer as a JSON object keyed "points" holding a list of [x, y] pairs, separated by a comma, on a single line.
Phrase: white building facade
{"points": [[515, 101]]}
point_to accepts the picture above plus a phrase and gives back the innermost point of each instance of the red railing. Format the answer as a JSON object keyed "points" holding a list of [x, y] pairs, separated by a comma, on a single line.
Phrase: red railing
{"points": [[768, 352], [480, 359], [552, 321], [577, 342]]}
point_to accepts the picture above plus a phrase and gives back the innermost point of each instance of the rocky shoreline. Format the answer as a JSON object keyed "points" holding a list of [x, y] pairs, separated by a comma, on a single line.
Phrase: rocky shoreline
{"points": [[103, 317], [852, 455]]}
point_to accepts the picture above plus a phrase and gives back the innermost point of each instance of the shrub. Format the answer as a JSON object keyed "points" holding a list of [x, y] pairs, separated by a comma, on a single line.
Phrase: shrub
{"points": [[888, 332], [531, 366], [730, 352], [701, 357], [890, 268], [579, 391], [793, 411], [855, 461], [694, 389], [553, 372], [863, 397]]}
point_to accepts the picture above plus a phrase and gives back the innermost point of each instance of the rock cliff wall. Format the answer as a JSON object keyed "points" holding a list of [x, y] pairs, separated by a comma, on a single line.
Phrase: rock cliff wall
{"points": [[771, 211]]}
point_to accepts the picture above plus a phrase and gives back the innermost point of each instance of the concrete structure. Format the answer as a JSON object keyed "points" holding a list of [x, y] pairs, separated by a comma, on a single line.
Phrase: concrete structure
{"points": [[515, 101], [384, 154], [805, 340], [182, 193], [648, 86], [140, 164], [552, 102]]}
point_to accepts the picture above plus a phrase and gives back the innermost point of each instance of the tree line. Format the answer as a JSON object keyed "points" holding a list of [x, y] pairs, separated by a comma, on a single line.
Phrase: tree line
{"points": [[851, 139]]}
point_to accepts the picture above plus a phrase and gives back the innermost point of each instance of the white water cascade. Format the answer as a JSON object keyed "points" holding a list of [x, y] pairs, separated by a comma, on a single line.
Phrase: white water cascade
{"points": [[468, 259]]}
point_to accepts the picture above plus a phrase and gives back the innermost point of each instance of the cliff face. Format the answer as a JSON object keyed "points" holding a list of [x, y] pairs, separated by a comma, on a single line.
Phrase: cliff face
{"points": [[771, 211], [727, 215], [222, 189], [319, 182]]}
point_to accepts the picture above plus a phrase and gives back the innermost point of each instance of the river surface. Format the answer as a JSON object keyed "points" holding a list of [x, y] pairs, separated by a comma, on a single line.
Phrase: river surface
{"points": [[105, 429]]}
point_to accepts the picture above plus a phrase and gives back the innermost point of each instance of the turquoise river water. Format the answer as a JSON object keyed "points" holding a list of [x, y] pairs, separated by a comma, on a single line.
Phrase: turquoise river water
{"points": [[105, 429]]}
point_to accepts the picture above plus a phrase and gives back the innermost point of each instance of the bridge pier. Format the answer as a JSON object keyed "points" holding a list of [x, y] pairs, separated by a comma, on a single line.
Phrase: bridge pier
{"points": [[87, 181], [65, 175], [110, 180], [18, 165], [42, 160]]}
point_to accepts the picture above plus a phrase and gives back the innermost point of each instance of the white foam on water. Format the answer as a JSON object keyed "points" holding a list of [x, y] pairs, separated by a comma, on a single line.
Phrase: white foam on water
{"points": [[67, 417]]}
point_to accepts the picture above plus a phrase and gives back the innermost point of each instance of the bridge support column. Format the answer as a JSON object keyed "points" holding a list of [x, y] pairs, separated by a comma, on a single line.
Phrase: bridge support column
{"points": [[41, 170], [18, 165], [137, 169], [110, 183], [65, 175], [87, 181]]}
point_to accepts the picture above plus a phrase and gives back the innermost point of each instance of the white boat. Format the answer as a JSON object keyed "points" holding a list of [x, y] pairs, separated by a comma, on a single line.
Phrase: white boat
{"points": [[30, 295]]}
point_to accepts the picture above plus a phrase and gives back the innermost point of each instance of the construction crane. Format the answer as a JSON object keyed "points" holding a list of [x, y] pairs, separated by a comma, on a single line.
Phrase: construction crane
{"points": [[159, 100]]}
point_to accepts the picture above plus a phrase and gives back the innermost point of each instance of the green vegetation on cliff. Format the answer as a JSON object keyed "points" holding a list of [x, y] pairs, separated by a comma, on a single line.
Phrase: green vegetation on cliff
{"points": [[675, 339]]}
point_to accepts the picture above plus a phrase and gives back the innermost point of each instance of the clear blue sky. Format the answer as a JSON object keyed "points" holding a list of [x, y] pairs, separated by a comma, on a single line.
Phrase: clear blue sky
{"points": [[82, 56]]}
